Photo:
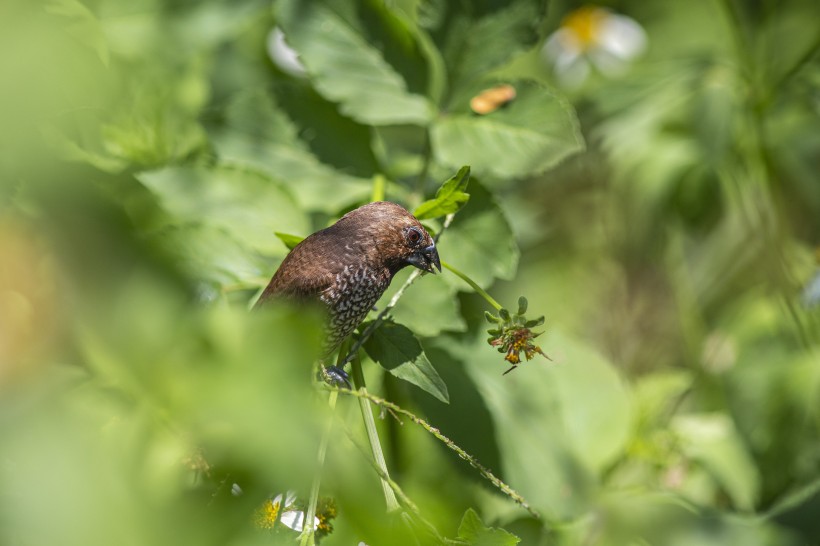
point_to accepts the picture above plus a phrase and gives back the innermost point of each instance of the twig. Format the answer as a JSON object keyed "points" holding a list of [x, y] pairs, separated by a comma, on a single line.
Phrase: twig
{"points": [[480, 291], [484, 471]]}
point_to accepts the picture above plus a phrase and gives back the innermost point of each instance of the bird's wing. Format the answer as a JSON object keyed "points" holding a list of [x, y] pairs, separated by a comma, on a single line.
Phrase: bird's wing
{"points": [[305, 273]]}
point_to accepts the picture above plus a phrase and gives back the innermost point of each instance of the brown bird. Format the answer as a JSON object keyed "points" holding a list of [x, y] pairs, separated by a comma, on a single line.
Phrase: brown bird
{"points": [[349, 265]]}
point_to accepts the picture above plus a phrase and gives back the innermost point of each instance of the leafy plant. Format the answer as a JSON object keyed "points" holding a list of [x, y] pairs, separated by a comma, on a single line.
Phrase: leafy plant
{"points": [[158, 160]]}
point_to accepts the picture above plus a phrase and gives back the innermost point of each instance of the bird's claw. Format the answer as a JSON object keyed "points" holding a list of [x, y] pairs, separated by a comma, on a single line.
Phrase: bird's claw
{"points": [[336, 376]]}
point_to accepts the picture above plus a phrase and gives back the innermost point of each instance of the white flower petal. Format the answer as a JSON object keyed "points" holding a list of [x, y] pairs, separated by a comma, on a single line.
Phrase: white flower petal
{"points": [[295, 518], [561, 42], [607, 63], [622, 37], [573, 75], [284, 56]]}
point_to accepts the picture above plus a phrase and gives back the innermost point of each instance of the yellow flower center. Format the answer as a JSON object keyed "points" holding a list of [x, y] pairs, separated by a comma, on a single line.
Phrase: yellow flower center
{"points": [[265, 516], [585, 24]]}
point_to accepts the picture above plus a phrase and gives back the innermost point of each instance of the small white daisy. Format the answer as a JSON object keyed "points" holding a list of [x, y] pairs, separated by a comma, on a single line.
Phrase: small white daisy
{"points": [[593, 37]]}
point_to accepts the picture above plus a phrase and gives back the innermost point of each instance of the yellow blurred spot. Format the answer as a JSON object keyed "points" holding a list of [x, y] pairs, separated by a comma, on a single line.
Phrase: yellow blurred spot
{"points": [[585, 24], [27, 293]]}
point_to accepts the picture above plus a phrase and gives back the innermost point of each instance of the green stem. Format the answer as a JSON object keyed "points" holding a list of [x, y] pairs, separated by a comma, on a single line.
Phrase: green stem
{"points": [[472, 283], [308, 529], [373, 435], [379, 183]]}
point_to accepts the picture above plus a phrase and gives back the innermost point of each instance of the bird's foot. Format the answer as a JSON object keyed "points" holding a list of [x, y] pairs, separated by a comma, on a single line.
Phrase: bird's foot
{"points": [[336, 376]]}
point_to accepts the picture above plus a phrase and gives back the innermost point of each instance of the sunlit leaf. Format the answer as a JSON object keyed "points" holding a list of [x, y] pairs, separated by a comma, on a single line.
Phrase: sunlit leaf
{"points": [[528, 135], [450, 197], [347, 69], [260, 136], [247, 205], [473, 530], [398, 351], [290, 240]]}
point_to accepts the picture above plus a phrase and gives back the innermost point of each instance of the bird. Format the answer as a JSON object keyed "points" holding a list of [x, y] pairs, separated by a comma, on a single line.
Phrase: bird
{"points": [[348, 266]]}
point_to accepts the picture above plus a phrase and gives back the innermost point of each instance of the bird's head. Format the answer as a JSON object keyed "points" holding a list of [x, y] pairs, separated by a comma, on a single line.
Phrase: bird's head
{"points": [[394, 236]]}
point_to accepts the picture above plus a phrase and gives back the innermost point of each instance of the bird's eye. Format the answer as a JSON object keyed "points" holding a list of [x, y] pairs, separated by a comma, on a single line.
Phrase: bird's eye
{"points": [[413, 236]]}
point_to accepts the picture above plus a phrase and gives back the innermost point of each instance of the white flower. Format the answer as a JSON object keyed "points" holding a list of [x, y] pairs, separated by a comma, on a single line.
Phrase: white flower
{"points": [[593, 37], [291, 516], [284, 56]]}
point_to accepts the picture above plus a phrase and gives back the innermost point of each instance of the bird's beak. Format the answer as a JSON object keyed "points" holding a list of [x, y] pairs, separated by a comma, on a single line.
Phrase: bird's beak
{"points": [[425, 259]]}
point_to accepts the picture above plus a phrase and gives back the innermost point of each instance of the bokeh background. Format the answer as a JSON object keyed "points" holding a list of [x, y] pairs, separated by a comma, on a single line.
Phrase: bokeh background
{"points": [[652, 189]]}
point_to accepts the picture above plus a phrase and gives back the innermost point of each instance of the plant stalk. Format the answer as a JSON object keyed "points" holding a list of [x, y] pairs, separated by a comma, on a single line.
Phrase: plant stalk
{"points": [[472, 283], [373, 436]]}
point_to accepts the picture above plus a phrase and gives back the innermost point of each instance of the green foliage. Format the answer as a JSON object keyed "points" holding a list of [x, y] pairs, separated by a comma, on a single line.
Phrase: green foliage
{"points": [[661, 218], [473, 531], [396, 349], [449, 199]]}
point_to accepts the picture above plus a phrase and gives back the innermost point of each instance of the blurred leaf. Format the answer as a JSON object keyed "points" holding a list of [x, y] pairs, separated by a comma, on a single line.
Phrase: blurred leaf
{"points": [[248, 206], [290, 240], [346, 69], [209, 253], [534, 132], [473, 530], [322, 126], [397, 350], [558, 424], [477, 36], [802, 495], [480, 242], [597, 406], [259, 135], [84, 26], [450, 197], [538, 455], [713, 441]]}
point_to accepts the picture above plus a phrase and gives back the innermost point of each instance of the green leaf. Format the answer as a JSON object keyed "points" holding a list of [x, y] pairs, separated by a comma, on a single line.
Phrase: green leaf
{"points": [[713, 441], [246, 205], [799, 497], [397, 350], [477, 36], [208, 253], [450, 197], [260, 136], [558, 424], [531, 134], [290, 240], [84, 25], [480, 242], [473, 530], [345, 68]]}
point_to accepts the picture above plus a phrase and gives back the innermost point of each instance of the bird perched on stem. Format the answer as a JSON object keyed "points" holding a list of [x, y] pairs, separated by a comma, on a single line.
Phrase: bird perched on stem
{"points": [[350, 264]]}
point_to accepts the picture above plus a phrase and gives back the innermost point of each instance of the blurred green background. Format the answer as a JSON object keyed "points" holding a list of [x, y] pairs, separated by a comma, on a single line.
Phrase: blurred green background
{"points": [[652, 189]]}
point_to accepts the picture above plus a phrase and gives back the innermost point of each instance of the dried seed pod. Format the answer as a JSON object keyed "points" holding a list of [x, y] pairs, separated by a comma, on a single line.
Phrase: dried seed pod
{"points": [[492, 99]]}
